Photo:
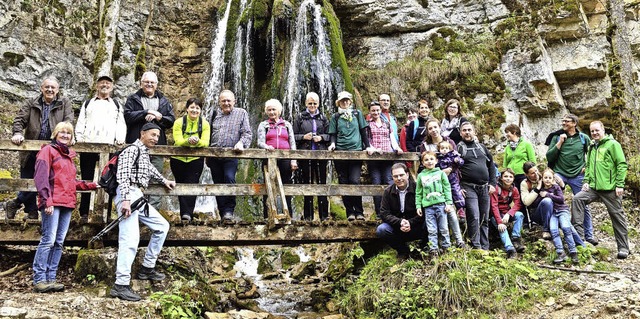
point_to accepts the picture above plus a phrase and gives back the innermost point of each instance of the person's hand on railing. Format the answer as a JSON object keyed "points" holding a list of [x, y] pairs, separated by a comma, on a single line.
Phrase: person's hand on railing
{"points": [[370, 150], [269, 148], [331, 147], [17, 139], [238, 147], [169, 184]]}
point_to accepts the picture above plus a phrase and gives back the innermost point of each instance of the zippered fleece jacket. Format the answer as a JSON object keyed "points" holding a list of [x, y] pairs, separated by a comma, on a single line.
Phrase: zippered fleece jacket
{"points": [[606, 166], [432, 187]]}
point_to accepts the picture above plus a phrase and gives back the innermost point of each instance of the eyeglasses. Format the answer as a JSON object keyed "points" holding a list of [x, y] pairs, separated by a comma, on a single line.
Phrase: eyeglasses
{"points": [[50, 87], [567, 121], [149, 82]]}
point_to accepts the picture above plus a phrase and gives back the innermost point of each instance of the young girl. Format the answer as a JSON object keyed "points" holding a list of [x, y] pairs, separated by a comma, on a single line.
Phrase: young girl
{"points": [[433, 199], [559, 216], [449, 161], [504, 212]]}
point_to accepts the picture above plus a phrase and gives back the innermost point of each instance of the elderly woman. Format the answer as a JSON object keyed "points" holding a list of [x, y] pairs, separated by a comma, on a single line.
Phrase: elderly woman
{"points": [[192, 131], [348, 131], [310, 128], [55, 180], [452, 120], [417, 130], [517, 152], [276, 133], [382, 139]]}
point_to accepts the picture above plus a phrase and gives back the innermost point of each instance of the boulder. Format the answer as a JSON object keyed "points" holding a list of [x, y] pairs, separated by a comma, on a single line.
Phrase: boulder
{"points": [[300, 271], [584, 58]]}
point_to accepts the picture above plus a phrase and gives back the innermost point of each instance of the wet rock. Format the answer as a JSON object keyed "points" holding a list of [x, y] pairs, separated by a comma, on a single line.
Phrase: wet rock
{"points": [[249, 294], [305, 269], [11, 312], [271, 275], [320, 299], [247, 314]]}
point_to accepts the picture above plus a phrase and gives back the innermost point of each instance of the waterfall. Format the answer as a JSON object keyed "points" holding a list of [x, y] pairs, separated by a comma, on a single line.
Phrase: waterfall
{"points": [[303, 59], [216, 79], [240, 53]]}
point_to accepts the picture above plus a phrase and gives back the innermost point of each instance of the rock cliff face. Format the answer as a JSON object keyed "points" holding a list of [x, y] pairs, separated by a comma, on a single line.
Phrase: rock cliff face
{"points": [[509, 61]]}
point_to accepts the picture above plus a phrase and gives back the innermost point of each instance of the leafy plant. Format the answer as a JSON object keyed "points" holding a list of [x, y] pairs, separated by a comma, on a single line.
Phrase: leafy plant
{"points": [[175, 306]]}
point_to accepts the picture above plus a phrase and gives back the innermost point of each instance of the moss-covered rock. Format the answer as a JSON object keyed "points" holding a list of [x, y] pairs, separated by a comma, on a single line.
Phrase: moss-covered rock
{"points": [[335, 37], [94, 264], [288, 259]]}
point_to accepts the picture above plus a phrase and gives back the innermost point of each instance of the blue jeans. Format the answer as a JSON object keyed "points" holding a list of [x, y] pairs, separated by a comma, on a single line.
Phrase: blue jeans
{"points": [[380, 172], [518, 220], [398, 239], [542, 213], [129, 237], [49, 251], [477, 211], [576, 186], [436, 221], [223, 171], [563, 218], [452, 219]]}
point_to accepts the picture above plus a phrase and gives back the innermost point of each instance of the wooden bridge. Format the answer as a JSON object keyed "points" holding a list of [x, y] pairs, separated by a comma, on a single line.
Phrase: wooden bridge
{"points": [[278, 228]]}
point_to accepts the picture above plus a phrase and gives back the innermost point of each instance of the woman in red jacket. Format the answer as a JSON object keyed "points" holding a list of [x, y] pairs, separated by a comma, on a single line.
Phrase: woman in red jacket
{"points": [[55, 179]]}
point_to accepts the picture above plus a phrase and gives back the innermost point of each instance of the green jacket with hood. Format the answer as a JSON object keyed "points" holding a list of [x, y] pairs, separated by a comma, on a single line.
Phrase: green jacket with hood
{"points": [[606, 167], [432, 187]]}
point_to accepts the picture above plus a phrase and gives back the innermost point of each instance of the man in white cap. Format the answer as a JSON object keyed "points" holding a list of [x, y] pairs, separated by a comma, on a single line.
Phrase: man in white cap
{"points": [[101, 120]]}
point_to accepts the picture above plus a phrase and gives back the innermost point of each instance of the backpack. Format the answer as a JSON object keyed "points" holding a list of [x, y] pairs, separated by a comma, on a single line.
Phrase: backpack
{"points": [[184, 126], [463, 149], [108, 180]]}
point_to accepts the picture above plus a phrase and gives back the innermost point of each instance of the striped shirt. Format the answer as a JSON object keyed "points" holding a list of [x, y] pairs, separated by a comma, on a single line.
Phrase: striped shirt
{"points": [[128, 175], [228, 129]]}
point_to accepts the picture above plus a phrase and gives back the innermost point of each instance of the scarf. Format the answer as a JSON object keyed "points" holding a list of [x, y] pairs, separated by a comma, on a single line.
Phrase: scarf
{"points": [[346, 114], [449, 125], [63, 149]]}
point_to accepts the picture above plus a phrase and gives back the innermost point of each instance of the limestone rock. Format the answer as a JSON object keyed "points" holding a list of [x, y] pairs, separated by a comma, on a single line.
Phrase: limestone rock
{"points": [[247, 314], [11, 312], [572, 301], [584, 58], [305, 269], [216, 315]]}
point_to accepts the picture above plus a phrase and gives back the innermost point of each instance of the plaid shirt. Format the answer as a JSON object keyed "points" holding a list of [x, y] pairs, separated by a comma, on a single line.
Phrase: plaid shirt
{"points": [[228, 129], [128, 175], [380, 136]]}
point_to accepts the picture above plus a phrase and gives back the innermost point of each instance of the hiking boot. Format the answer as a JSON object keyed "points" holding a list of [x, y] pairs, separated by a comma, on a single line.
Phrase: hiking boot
{"points": [[562, 257], [511, 254], [351, 218], [517, 244], [150, 274], [42, 287], [574, 258], [186, 218], [227, 217], [623, 254], [31, 215], [56, 286], [546, 235], [124, 292], [11, 208], [593, 241], [360, 216]]}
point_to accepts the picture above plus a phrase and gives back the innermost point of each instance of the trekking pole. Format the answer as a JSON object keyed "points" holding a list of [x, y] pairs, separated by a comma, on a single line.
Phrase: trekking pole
{"points": [[139, 203]]}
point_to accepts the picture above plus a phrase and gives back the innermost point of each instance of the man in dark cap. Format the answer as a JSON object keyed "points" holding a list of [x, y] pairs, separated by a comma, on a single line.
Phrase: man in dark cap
{"points": [[101, 120], [133, 177]]}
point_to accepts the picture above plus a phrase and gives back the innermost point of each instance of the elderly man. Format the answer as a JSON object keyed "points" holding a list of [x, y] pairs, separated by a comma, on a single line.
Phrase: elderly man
{"points": [[101, 120], [566, 156], [37, 117], [133, 177], [229, 128], [605, 173], [148, 105], [385, 105], [478, 181], [400, 221]]}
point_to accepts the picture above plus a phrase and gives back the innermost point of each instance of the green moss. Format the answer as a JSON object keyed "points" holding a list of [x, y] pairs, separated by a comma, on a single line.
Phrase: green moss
{"points": [[91, 262], [119, 72], [26, 6], [13, 58], [488, 119], [260, 11], [288, 259], [141, 66], [338, 212], [335, 37]]}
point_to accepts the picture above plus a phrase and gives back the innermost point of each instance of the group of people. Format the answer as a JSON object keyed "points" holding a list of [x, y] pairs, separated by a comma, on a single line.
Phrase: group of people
{"points": [[456, 181], [462, 176]]}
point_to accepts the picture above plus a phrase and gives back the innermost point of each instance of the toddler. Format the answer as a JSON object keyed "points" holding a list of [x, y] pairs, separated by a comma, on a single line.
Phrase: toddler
{"points": [[450, 161]]}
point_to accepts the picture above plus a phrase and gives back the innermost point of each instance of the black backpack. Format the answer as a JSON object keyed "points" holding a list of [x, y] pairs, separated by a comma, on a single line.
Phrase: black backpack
{"points": [[108, 180], [184, 125]]}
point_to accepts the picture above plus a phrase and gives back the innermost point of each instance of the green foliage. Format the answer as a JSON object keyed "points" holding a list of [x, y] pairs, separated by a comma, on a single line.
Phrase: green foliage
{"points": [[141, 67], [175, 306], [337, 211], [335, 37], [342, 266], [607, 227], [288, 259], [459, 283]]}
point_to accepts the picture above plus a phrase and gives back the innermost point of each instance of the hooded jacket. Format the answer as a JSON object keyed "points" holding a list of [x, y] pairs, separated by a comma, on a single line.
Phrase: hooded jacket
{"points": [[606, 166]]}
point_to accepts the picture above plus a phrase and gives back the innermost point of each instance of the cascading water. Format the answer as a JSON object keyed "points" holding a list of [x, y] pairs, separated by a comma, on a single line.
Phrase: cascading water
{"points": [[309, 53], [242, 60], [216, 79]]}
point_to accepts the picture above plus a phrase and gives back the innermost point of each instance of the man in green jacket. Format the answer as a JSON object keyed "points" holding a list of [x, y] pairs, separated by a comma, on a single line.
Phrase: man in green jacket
{"points": [[566, 156], [605, 173]]}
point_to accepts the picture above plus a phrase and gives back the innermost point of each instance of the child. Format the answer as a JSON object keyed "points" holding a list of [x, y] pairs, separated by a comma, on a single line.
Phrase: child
{"points": [[433, 198], [450, 159], [560, 216], [504, 212]]}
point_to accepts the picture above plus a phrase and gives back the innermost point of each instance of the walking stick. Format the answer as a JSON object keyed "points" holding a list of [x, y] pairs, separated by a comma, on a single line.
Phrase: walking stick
{"points": [[139, 203]]}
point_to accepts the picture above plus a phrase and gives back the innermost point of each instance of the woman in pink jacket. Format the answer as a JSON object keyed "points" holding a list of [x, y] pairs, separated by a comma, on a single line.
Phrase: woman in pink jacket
{"points": [[55, 179]]}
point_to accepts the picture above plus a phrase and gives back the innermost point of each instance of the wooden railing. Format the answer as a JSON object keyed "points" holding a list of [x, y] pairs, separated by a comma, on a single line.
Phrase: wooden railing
{"points": [[272, 188]]}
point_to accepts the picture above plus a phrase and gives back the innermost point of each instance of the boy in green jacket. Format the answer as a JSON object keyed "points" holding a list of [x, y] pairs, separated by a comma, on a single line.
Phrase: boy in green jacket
{"points": [[605, 173], [433, 199]]}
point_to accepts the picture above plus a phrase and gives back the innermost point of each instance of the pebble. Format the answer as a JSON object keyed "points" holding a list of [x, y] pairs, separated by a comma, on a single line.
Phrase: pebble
{"points": [[550, 301], [11, 312], [572, 301]]}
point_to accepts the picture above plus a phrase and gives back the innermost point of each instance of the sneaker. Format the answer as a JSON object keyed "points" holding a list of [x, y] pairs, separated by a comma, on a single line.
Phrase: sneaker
{"points": [[150, 274], [11, 208], [186, 218], [124, 292], [562, 257], [511, 254], [593, 241], [42, 287], [623, 254], [56, 286], [227, 217], [351, 218], [517, 244], [546, 235], [360, 216], [31, 215], [574, 258]]}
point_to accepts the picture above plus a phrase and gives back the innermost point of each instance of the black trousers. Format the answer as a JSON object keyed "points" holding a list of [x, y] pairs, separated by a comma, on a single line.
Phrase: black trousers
{"points": [[187, 172], [314, 172]]}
